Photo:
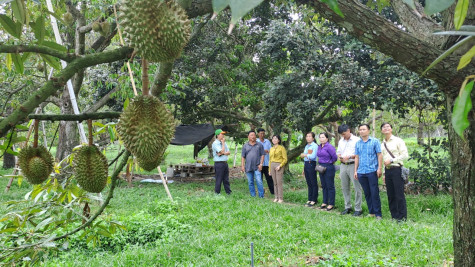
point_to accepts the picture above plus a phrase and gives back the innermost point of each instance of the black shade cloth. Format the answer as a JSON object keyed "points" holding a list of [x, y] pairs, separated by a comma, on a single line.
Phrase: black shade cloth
{"points": [[191, 134]]}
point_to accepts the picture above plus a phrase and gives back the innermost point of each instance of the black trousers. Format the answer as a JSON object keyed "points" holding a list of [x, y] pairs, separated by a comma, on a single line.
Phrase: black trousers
{"points": [[221, 170], [270, 182], [395, 190], [311, 177]]}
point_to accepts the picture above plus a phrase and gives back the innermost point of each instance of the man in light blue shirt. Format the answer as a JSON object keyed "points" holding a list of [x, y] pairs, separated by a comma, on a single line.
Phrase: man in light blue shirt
{"points": [[368, 163], [220, 157], [265, 166]]}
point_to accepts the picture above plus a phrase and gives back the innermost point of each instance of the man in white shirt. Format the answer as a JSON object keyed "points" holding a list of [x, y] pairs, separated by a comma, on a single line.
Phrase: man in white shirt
{"points": [[394, 152], [346, 155]]}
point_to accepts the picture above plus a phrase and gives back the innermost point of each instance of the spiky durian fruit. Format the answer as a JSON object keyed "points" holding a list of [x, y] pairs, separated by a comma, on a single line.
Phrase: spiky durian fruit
{"points": [[36, 164], [146, 128], [68, 18], [157, 29], [96, 26], [90, 167]]}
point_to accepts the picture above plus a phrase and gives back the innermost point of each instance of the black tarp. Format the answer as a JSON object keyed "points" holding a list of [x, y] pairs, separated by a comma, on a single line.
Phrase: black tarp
{"points": [[198, 135], [192, 134]]}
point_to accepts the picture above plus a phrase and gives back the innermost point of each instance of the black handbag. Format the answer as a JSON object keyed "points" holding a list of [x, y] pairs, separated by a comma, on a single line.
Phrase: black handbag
{"points": [[319, 168]]}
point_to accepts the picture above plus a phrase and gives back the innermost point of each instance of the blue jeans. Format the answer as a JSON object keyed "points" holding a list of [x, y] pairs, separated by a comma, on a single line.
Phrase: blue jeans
{"points": [[369, 182], [328, 184], [250, 180]]}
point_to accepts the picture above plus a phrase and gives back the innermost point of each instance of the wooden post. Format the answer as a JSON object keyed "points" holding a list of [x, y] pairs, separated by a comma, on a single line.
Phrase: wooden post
{"points": [[164, 182], [235, 154]]}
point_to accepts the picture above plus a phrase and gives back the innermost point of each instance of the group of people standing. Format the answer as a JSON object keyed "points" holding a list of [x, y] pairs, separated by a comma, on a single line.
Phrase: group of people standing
{"points": [[362, 161]]}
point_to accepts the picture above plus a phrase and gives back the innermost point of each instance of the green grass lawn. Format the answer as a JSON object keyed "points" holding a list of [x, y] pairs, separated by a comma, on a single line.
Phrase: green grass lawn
{"points": [[204, 229]]}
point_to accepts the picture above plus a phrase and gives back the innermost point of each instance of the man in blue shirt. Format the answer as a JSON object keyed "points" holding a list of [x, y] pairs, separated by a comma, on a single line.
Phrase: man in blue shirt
{"points": [[220, 157], [261, 133], [252, 158], [368, 163]]}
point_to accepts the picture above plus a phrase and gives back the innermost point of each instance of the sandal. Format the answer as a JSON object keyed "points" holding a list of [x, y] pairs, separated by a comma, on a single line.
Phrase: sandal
{"points": [[323, 207], [329, 209]]}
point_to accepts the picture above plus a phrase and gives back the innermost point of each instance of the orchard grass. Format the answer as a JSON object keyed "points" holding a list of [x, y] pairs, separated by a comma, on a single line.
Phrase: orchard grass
{"points": [[204, 229]]}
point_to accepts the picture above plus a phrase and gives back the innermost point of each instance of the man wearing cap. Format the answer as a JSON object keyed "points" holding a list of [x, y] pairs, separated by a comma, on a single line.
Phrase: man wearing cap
{"points": [[220, 157]]}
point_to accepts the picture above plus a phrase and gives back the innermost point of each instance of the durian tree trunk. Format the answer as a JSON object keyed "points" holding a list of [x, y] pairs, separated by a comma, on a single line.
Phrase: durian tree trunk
{"points": [[463, 183], [68, 136]]}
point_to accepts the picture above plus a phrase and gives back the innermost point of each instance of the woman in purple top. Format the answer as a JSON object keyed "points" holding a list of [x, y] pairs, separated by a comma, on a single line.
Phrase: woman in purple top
{"points": [[326, 157]]}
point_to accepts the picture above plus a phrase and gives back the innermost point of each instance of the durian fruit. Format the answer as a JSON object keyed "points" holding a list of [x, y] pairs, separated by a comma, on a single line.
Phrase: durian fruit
{"points": [[157, 29], [36, 164], [96, 26], [105, 28], [146, 127], [91, 168], [68, 18]]}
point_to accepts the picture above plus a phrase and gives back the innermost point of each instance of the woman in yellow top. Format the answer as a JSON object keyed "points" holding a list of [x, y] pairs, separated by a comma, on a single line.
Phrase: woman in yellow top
{"points": [[277, 159]]}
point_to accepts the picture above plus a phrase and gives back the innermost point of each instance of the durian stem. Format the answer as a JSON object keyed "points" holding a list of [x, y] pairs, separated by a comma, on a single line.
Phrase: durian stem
{"points": [[145, 80], [89, 125], [35, 138]]}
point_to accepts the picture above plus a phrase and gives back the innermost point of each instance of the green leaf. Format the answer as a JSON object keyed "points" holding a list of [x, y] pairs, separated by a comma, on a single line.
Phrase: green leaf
{"points": [[219, 5], [104, 233], [39, 28], [460, 13], [467, 33], [435, 6], [18, 7], [55, 45], [466, 58], [25, 56], [9, 62], [10, 26], [16, 58], [333, 4], [126, 103], [51, 61], [8, 230], [462, 106], [447, 53], [44, 223], [239, 8], [410, 3]]}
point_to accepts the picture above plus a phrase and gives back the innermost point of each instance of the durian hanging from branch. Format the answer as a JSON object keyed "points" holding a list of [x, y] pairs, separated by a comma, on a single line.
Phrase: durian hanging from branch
{"points": [[36, 163], [146, 127], [157, 29], [90, 166]]}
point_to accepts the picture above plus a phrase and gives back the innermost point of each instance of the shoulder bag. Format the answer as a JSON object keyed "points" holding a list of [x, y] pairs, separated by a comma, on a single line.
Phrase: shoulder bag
{"points": [[404, 170]]}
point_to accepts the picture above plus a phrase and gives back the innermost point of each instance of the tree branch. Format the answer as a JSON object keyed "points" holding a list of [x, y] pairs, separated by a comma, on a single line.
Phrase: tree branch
{"points": [[418, 23], [389, 39], [219, 113], [58, 82], [101, 102], [40, 49], [73, 117]]}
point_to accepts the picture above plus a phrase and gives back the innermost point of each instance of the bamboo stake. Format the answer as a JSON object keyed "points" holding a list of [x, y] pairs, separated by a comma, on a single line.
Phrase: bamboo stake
{"points": [[164, 182]]}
